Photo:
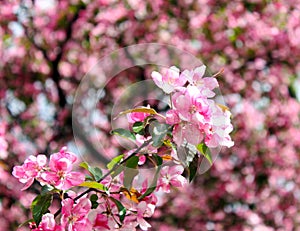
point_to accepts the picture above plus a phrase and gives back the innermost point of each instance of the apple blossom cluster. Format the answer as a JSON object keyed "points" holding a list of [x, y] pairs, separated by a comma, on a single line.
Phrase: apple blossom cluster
{"points": [[195, 116], [58, 173], [110, 205], [122, 197]]}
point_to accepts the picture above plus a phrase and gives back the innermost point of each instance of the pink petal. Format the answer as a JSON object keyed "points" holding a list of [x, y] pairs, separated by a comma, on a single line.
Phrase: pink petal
{"points": [[41, 160], [18, 172], [101, 221], [192, 134], [157, 78], [176, 170], [210, 83], [199, 72], [67, 206], [74, 179], [50, 177], [63, 164], [48, 222], [178, 181], [28, 184], [82, 207], [144, 225]]}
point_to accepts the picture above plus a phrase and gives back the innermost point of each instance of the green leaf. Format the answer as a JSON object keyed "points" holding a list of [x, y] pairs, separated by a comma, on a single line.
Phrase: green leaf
{"points": [[95, 172], [89, 178], [132, 162], [46, 189], [114, 161], [93, 184], [138, 127], [94, 199], [124, 133], [85, 165], [158, 131], [40, 206], [193, 167], [158, 159], [130, 171], [186, 153], [121, 208], [204, 150]]}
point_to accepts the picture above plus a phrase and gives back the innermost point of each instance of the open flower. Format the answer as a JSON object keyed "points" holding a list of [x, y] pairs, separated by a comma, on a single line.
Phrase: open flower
{"points": [[48, 224], [204, 84], [74, 216], [144, 210], [218, 132], [60, 174], [31, 169], [169, 80], [171, 176], [191, 105]]}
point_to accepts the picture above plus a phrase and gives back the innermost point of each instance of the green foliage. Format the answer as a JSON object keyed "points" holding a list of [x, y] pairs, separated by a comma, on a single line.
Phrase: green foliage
{"points": [[94, 202], [40, 206], [130, 171], [93, 184], [158, 131], [95, 172], [204, 150], [121, 209], [138, 127], [193, 167], [186, 153], [46, 189], [114, 161], [124, 133]]}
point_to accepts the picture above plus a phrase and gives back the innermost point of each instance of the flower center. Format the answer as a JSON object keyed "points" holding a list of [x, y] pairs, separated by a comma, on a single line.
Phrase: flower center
{"points": [[61, 174], [73, 219], [193, 109]]}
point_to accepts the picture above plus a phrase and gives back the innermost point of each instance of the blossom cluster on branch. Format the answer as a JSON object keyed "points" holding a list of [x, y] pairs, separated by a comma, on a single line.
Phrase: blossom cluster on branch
{"points": [[114, 198]]}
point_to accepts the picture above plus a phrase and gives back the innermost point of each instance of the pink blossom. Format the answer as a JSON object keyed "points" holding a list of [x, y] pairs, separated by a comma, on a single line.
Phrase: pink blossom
{"points": [[137, 117], [218, 133], [171, 176], [101, 222], [60, 174], [191, 105], [187, 132], [172, 117], [74, 216], [205, 84], [195, 74], [48, 224], [31, 169], [169, 80], [144, 210]]}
